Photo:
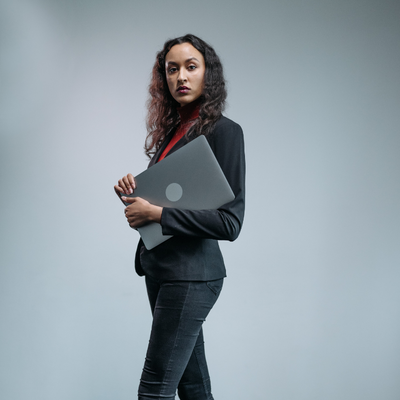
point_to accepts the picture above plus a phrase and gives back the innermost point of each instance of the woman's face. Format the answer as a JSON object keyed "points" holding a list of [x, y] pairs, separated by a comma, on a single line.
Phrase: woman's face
{"points": [[185, 68]]}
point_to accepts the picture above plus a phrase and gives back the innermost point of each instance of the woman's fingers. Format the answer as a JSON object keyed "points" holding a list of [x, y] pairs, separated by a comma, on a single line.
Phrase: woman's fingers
{"points": [[129, 183], [118, 189], [122, 186], [131, 215], [132, 181], [126, 184], [139, 211]]}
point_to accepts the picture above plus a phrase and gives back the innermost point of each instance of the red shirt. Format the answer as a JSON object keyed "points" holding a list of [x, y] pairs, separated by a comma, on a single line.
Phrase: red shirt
{"points": [[188, 114]]}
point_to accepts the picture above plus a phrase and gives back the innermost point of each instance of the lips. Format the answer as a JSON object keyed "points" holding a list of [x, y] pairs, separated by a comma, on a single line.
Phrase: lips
{"points": [[183, 89]]}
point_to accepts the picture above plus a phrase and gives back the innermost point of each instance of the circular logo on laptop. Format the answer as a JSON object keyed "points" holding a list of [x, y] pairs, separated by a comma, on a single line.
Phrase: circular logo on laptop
{"points": [[174, 192]]}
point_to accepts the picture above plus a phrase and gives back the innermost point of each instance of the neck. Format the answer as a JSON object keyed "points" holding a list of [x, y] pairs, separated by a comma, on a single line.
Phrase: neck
{"points": [[190, 111]]}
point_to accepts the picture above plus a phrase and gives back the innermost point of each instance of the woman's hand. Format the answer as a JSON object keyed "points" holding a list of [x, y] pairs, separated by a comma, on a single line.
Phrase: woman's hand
{"points": [[140, 212], [126, 185]]}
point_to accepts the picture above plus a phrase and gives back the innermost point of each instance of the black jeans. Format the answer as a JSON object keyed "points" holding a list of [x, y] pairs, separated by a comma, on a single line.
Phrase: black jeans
{"points": [[175, 357]]}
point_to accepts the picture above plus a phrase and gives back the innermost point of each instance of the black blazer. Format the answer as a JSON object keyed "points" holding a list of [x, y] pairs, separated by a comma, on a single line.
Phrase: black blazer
{"points": [[193, 253]]}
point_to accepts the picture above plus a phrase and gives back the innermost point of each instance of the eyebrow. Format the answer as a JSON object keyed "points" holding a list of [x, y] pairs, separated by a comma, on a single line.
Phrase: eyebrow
{"points": [[189, 59]]}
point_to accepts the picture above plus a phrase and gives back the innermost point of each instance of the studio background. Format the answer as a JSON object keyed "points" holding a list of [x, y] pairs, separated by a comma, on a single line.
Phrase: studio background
{"points": [[310, 309]]}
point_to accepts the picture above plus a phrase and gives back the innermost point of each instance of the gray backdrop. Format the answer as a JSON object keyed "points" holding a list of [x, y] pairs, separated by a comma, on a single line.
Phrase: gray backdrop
{"points": [[310, 310]]}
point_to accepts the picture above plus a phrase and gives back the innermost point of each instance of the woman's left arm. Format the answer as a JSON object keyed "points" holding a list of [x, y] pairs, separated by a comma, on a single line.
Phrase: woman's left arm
{"points": [[226, 222]]}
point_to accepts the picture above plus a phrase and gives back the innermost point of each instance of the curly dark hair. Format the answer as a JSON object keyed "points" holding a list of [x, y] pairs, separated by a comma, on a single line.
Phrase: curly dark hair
{"points": [[162, 116]]}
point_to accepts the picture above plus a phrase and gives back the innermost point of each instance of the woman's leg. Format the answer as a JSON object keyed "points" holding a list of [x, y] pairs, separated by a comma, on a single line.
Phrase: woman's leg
{"points": [[195, 382], [179, 310]]}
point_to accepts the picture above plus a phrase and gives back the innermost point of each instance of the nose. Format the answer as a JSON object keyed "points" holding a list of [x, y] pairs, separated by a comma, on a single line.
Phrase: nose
{"points": [[182, 76]]}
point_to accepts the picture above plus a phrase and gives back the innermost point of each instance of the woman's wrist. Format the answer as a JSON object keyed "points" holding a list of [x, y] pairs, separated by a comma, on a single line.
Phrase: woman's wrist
{"points": [[155, 213]]}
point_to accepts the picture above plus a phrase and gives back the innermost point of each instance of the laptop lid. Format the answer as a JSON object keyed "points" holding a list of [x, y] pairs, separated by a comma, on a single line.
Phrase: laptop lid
{"points": [[190, 178]]}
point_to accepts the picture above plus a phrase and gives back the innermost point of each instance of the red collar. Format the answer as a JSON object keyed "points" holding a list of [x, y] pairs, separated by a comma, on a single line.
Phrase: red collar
{"points": [[189, 112]]}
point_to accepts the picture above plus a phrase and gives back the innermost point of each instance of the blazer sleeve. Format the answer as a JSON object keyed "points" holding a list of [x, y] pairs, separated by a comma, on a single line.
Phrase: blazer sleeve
{"points": [[225, 223]]}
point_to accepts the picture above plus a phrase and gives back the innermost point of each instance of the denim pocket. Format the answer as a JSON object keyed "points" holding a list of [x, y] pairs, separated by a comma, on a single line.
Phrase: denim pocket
{"points": [[215, 286]]}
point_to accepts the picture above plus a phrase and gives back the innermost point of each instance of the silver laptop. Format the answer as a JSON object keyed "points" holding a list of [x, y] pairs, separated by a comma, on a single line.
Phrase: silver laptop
{"points": [[190, 178]]}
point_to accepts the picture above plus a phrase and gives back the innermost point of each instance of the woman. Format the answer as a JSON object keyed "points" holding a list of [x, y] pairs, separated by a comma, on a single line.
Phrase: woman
{"points": [[184, 275]]}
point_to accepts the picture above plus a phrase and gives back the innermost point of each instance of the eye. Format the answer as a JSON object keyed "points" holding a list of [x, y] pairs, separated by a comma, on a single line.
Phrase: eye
{"points": [[172, 70], [192, 67]]}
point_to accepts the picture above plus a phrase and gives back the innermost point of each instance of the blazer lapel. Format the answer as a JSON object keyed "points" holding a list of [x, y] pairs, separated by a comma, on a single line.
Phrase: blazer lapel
{"points": [[160, 150], [180, 143]]}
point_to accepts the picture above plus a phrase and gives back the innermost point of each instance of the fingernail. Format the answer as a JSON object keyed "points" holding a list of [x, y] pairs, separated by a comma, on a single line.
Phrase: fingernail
{"points": [[123, 198]]}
